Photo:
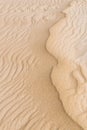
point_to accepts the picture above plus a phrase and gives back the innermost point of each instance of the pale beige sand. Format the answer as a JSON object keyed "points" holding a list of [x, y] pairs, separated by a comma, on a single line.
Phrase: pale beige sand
{"points": [[68, 43], [28, 99]]}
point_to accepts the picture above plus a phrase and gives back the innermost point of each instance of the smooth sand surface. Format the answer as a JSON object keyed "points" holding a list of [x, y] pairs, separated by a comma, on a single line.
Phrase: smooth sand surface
{"points": [[29, 99]]}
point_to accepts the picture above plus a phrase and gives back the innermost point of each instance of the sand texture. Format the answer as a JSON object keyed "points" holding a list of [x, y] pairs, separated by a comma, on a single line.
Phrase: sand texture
{"points": [[43, 64], [68, 44]]}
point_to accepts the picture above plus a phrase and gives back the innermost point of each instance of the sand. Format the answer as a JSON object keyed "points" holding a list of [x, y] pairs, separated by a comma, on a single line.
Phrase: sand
{"points": [[31, 98], [68, 44]]}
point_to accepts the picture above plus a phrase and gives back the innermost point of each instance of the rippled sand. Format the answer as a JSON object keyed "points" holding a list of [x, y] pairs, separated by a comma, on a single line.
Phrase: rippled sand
{"points": [[29, 99]]}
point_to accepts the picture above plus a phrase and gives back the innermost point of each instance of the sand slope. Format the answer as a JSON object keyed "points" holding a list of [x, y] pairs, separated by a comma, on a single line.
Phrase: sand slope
{"points": [[68, 43], [28, 99]]}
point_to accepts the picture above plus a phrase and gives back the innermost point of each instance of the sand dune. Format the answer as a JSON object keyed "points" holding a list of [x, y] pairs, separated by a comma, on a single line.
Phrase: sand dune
{"points": [[28, 98]]}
